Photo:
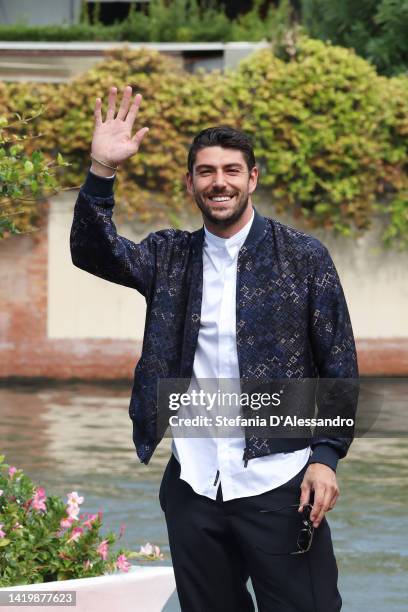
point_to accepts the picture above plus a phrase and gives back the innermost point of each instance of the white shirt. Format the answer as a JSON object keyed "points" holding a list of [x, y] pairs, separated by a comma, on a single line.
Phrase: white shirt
{"points": [[206, 462]]}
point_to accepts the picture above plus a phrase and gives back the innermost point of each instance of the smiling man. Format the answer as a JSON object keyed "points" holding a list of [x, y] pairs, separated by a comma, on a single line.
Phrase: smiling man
{"points": [[244, 297], [221, 183]]}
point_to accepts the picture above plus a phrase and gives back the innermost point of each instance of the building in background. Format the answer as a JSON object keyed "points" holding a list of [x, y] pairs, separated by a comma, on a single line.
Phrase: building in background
{"points": [[39, 12], [43, 12], [58, 61]]}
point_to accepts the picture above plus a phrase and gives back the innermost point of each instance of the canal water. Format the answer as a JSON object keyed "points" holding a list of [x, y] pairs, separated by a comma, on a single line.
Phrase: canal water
{"points": [[78, 437]]}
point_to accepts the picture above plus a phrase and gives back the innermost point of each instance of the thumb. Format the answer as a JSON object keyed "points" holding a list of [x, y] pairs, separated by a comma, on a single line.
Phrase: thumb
{"points": [[138, 137], [305, 495]]}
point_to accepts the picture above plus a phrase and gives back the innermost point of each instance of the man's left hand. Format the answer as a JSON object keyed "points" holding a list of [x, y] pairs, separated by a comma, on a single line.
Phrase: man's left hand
{"points": [[322, 480]]}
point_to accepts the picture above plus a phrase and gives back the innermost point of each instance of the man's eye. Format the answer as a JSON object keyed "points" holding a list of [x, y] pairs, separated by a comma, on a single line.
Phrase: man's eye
{"points": [[231, 172]]}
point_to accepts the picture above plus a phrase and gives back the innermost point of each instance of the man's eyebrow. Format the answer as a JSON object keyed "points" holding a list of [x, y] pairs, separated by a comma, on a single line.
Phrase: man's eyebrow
{"points": [[233, 164]]}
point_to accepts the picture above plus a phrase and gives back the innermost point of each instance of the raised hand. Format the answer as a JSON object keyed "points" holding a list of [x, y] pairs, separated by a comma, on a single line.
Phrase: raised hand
{"points": [[112, 141]]}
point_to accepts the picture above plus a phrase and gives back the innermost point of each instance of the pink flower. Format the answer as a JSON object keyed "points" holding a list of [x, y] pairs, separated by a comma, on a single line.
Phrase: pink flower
{"points": [[122, 563], [87, 564], [72, 511], [73, 505], [90, 520], [76, 534], [17, 526], [39, 499], [74, 498], [147, 549], [2, 533], [66, 523], [11, 471], [151, 550], [103, 549]]}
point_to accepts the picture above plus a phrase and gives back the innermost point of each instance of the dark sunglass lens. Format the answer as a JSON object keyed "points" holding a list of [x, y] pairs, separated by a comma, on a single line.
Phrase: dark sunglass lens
{"points": [[304, 539], [306, 512]]}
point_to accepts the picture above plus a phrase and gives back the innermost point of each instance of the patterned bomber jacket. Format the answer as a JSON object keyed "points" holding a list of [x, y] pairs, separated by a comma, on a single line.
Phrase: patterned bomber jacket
{"points": [[292, 319]]}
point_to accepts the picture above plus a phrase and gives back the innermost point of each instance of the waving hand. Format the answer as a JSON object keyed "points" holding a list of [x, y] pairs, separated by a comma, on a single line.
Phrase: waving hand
{"points": [[112, 141]]}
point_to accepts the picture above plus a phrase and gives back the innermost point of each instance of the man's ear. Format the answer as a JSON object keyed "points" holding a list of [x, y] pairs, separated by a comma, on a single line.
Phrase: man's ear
{"points": [[189, 183], [253, 179]]}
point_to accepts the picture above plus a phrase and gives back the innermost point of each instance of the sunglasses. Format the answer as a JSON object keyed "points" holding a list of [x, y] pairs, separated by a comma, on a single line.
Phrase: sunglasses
{"points": [[305, 535]]}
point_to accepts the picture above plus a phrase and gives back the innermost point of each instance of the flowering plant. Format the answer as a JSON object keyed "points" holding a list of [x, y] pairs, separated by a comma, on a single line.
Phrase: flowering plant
{"points": [[44, 539]]}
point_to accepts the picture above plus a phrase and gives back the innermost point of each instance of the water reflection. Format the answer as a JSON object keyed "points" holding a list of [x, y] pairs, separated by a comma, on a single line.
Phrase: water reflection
{"points": [[75, 428], [79, 437]]}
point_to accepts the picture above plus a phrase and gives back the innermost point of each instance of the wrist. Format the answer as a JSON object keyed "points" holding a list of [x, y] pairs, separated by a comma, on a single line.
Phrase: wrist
{"points": [[101, 170], [323, 453]]}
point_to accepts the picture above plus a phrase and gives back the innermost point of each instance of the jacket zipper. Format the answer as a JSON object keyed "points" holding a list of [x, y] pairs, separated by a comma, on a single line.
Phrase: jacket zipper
{"points": [[244, 458]]}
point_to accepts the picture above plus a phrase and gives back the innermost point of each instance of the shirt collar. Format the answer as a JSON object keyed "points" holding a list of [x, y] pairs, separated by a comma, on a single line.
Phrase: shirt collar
{"points": [[229, 245]]}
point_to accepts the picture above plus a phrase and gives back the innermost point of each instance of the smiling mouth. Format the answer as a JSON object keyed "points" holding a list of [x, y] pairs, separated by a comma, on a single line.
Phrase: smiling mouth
{"points": [[220, 199]]}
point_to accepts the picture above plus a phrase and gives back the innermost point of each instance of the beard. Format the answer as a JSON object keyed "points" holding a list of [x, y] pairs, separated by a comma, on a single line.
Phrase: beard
{"points": [[223, 215]]}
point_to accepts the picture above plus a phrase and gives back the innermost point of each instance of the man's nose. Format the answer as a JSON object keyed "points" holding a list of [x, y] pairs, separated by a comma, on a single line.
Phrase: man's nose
{"points": [[219, 179]]}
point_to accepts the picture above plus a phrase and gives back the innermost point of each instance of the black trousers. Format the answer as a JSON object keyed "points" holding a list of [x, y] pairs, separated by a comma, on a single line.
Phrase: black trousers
{"points": [[217, 545]]}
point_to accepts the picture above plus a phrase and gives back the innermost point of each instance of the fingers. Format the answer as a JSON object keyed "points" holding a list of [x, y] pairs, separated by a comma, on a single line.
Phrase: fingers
{"points": [[111, 103], [333, 501], [124, 105], [131, 116], [124, 113], [305, 494], [324, 500], [322, 481], [319, 506], [97, 112]]}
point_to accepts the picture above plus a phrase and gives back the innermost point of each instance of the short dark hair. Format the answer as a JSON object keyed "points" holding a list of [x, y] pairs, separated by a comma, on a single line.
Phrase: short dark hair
{"points": [[222, 136]]}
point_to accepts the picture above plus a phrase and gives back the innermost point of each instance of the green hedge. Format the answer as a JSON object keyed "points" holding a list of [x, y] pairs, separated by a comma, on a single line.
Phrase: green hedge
{"points": [[330, 134], [376, 29], [175, 21]]}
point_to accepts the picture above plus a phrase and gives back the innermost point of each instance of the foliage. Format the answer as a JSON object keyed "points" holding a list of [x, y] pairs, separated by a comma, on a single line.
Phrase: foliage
{"points": [[376, 29], [22, 175], [174, 104], [163, 21], [271, 27], [43, 539], [330, 134]]}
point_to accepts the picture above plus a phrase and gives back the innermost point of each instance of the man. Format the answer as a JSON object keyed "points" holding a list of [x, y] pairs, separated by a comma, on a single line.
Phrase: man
{"points": [[246, 298]]}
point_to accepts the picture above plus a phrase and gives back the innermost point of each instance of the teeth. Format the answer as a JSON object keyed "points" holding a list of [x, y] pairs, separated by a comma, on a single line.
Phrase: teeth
{"points": [[221, 198]]}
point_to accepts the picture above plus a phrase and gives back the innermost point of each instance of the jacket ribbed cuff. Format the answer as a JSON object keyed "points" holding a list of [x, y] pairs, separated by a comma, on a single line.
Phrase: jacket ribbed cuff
{"points": [[323, 453], [99, 186]]}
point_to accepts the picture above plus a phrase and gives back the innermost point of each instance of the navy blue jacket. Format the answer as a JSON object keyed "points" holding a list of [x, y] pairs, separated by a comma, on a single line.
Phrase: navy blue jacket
{"points": [[291, 320]]}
